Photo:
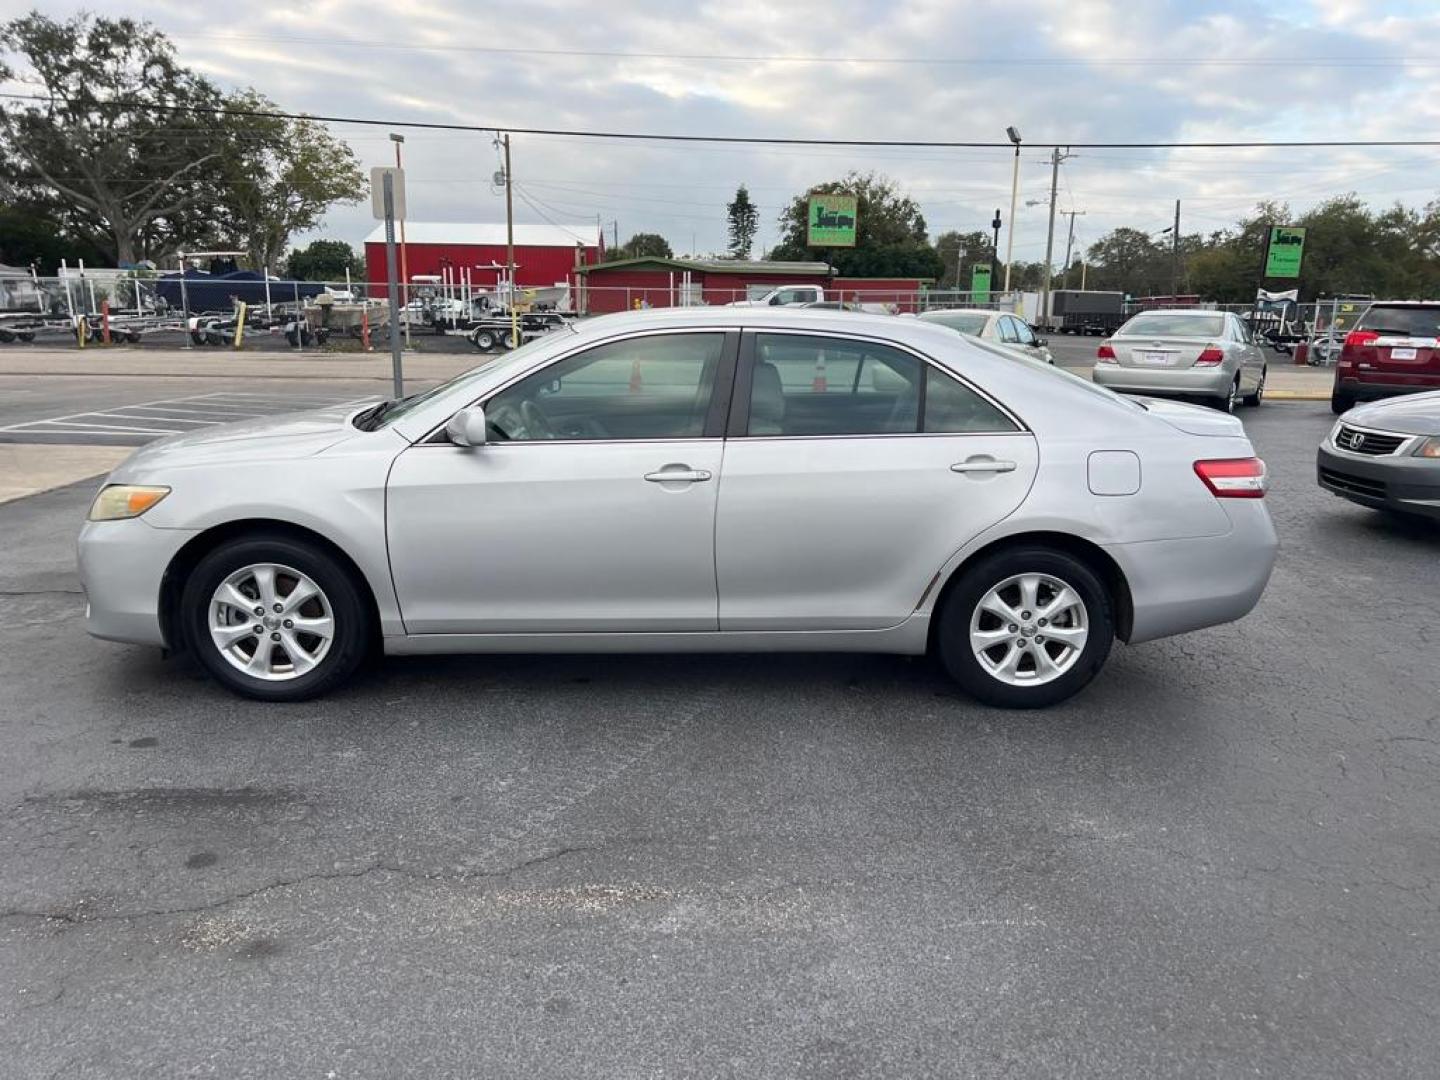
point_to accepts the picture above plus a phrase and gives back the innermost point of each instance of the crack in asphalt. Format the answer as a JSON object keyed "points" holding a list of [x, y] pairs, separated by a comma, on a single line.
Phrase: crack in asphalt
{"points": [[79, 918]]}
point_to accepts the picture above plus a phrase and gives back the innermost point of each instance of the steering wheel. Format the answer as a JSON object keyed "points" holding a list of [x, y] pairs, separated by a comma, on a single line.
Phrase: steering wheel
{"points": [[537, 424]]}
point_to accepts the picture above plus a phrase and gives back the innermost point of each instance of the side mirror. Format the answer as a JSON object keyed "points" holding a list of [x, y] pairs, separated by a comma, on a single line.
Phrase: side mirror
{"points": [[1039, 342], [467, 427]]}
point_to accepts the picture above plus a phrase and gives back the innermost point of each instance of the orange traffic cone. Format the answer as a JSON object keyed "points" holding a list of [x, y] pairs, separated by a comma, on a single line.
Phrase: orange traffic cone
{"points": [[636, 382], [819, 385]]}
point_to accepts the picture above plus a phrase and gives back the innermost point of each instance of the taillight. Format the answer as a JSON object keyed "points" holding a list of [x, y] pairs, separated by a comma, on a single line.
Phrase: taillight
{"points": [[1233, 478], [1359, 338], [1105, 354], [1210, 357]]}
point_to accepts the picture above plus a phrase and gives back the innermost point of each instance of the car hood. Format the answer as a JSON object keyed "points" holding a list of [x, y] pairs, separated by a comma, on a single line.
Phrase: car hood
{"points": [[289, 436], [1193, 419], [1412, 415]]}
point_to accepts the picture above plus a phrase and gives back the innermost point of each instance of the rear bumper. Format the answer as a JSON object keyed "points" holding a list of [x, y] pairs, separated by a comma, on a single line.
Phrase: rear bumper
{"points": [[1373, 390], [1405, 483], [1181, 585], [121, 566], [1186, 382]]}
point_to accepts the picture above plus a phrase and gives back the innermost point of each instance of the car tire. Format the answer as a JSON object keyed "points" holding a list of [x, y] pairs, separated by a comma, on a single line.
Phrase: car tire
{"points": [[967, 619], [1259, 394], [1340, 403], [323, 662], [1226, 402], [483, 340]]}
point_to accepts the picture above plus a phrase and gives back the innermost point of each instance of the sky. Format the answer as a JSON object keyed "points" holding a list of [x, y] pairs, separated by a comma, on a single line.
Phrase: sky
{"points": [[964, 70]]}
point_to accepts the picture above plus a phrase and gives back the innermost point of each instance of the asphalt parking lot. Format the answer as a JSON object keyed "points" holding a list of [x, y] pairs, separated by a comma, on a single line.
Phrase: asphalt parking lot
{"points": [[1220, 860]]}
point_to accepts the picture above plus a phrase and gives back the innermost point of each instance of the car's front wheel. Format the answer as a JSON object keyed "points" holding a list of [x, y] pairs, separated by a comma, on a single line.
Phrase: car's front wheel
{"points": [[275, 618], [1025, 628]]}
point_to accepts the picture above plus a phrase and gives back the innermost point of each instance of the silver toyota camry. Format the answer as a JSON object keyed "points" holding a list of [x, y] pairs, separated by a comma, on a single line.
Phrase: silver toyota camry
{"points": [[724, 479], [1188, 352]]}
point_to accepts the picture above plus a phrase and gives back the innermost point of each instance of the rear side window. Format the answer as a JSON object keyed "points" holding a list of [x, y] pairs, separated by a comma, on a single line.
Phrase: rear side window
{"points": [[972, 324], [1408, 321], [808, 386], [1175, 324]]}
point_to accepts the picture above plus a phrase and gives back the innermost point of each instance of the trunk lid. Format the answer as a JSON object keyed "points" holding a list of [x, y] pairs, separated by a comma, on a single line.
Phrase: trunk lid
{"points": [[1194, 419], [1159, 353]]}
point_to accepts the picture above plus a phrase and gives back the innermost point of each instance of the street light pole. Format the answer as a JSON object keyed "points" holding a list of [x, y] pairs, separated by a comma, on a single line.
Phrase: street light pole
{"points": [[1014, 136], [399, 140]]}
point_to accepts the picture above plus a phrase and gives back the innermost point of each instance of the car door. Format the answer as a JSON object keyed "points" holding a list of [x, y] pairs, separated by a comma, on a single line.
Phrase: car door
{"points": [[843, 495], [1251, 357], [591, 507]]}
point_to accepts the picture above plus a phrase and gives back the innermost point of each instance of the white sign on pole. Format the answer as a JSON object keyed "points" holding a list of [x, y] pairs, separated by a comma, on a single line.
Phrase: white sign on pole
{"points": [[377, 191]]}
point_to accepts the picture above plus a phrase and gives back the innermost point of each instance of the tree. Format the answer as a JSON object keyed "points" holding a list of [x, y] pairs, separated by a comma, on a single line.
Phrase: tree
{"points": [[958, 253], [645, 245], [112, 136], [1129, 261], [281, 176], [323, 260], [890, 238], [744, 222]]}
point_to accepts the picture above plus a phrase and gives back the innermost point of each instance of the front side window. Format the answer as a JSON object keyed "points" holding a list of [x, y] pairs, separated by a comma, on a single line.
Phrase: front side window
{"points": [[1023, 333], [1007, 331], [807, 386], [655, 387]]}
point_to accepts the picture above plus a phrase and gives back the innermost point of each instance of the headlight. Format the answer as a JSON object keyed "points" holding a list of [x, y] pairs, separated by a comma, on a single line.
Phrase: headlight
{"points": [[1429, 448], [118, 501]]}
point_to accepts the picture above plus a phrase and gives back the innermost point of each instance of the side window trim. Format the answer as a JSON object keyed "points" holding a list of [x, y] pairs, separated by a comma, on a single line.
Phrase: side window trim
{"points": [[739, 420]]}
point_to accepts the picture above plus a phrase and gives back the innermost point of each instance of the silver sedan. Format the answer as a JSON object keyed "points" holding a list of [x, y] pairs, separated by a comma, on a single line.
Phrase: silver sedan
{"points": [[725, 479], [1209, 355], [997, 327]]}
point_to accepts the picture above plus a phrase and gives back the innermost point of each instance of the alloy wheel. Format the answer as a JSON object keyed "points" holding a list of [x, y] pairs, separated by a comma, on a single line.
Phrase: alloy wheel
{"points": [[271, 622], [1029, 629]]}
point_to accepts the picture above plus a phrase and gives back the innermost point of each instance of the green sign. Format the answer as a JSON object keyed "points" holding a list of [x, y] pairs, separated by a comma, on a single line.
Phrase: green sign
{"points": [[980, 283], [831, 222], [1286, 245]]}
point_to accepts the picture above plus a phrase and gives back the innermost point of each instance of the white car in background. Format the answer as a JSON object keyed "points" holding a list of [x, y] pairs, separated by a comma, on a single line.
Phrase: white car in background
{"points": [[997, 327]]}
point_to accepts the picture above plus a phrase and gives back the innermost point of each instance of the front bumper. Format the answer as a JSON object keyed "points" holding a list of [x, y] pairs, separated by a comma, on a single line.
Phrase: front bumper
{"points": [[1177, 586], [122, 564], [1391, 482], [1185, 382]]}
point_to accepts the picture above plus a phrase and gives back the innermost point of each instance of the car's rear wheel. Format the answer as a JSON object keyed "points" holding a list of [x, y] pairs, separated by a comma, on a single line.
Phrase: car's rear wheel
{"points": [[274, 618], [1259, 393], [1340, 403], [1025, 628], [1226, 401]]}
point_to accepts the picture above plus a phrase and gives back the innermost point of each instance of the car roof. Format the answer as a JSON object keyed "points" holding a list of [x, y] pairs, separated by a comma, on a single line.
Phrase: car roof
{"points": [[917, 333]]}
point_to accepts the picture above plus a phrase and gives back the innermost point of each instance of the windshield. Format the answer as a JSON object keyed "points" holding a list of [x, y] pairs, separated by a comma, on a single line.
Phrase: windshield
{"points": [[972, 323], [1207, 324], [394, 410], [1421, 322]]}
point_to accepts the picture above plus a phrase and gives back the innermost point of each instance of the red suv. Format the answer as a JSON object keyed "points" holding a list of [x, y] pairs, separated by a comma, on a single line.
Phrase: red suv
{"points": [[1394, 349]]}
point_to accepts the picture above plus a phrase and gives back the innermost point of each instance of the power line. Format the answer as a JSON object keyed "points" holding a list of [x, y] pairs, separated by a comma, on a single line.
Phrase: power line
{"points": [[1349, 61], [755, 140]]}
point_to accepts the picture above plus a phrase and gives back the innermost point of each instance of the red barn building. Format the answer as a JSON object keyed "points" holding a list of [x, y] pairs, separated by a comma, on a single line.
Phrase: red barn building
{"points": [[545, 255], [656, 282]]}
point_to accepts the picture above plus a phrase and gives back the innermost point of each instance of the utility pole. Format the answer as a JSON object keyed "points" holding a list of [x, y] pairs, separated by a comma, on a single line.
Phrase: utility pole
{"points": [[1175, 253], [399, 140], [1069, 241], [615, 233], [1055, 158], [510, 245]]}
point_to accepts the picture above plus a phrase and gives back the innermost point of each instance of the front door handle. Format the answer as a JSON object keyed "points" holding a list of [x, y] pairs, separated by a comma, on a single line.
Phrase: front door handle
{"points": [[677, 475], [983, 465]]}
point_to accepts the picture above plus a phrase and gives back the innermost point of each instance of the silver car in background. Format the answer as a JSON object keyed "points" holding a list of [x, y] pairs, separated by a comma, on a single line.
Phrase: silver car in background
{"points": [[727, 479], [1210, 355], [997, 327]]}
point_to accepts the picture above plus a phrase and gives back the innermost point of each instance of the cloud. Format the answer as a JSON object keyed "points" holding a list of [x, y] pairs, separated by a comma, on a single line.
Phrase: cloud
{"points": [[1080, 70]]}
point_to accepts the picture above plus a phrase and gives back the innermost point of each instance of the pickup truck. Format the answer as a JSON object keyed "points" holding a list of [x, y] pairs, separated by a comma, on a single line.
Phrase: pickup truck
{"points": [[785, 296]]}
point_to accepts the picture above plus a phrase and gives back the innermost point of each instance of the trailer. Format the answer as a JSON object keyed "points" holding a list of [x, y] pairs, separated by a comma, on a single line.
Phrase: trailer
{"points": [[493, 331], [1085, 311]]}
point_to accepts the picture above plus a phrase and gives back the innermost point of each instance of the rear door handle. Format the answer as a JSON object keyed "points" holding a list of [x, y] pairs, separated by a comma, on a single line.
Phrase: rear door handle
{"points": [[678, 476], [983, 466]]}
